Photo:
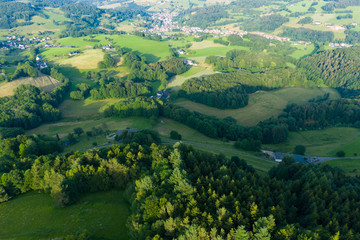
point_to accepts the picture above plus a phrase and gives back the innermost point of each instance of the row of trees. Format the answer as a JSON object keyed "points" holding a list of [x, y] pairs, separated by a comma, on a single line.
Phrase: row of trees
{"points": [[305, 34]]}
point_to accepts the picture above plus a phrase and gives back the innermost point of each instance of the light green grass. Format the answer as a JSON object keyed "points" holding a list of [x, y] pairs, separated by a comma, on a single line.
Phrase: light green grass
{"points": [[88, 59], [152, 50], [324, 142], [350, 166], [33, 216], [302, 50], [214, 51], [84, 108], [262, 105], [195, 71]]}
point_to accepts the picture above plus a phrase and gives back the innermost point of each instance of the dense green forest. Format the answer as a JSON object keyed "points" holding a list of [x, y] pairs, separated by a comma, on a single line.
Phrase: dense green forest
{"points": [[265, 23], [11, 11], [337, 68], [304, 34], [182, 193]]}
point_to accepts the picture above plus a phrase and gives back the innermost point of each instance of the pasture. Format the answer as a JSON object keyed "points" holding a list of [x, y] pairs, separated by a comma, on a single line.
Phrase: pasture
{"points": [[152, 50], [324, 142], [350, 166], [88, 59], [44, 82], [262, 105], [195, 71], [33, 216]]}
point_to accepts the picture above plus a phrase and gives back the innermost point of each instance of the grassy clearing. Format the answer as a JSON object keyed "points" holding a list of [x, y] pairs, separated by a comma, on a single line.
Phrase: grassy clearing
{"points": [[64, 127], [350, 166], [214, 51], [323, 142], [302, 50], [262, 105], [33, 216], [195, 71], [85, 108], [88, 59], [191, 135], [44, 82]]}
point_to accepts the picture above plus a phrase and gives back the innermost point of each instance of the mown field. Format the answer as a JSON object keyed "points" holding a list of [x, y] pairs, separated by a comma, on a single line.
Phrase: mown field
{"points": [[88, 59], [262, 105], [33, 216], [195, 71], [326, 142], [44, 82]]}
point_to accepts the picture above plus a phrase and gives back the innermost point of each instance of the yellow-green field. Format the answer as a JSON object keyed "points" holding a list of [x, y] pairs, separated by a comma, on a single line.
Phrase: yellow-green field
{"points": [[44, 82], [88, 59], [195, 71], [262, 105], [324, 142]]}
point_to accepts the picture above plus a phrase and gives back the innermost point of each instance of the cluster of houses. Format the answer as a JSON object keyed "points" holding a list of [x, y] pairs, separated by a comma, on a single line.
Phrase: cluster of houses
{"points": [[163, 95], [268, 36], [279, 156], [107, 47], [40, 63], [25, 43], [339, 45]]}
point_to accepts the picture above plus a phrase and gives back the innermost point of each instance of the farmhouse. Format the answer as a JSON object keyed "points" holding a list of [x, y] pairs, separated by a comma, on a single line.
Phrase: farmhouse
{"points": [[188, 62], [73, 53]]}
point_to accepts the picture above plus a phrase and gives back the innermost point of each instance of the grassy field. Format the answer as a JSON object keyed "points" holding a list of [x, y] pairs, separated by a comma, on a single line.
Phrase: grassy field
{"points": [[350, 166], [188, 134], [33, 216], [64, 127], [84, 108], [262, 105], [302, 50], [195, 71], [323, 142], [152, 50], [88, 59], [44, 82]]}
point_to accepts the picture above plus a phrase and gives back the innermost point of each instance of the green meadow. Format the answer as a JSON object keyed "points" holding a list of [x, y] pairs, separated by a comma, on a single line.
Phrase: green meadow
{"points": [[33, 216], [325, 142]]}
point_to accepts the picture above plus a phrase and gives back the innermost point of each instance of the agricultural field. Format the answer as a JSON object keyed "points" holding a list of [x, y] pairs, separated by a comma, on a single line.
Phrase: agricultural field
{"points": [[33, 216], [152, 50], [262, 105], [44, 82], [324, 142], [195, 71], [88, 59]]}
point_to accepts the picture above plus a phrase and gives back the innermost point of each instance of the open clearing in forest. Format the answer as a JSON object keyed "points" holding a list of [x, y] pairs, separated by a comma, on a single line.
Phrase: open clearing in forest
{"points": [[188, 134], [84, 108], [262, 105], [195, 71], [44, 82], [324, 142], [33, 216], [88, 59]]}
